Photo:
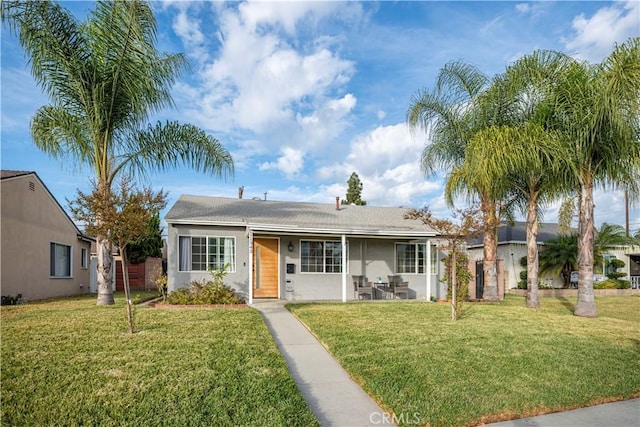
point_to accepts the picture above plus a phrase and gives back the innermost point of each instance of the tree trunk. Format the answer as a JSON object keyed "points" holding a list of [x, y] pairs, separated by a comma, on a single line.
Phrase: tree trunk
{"points": [[490, 242], [586, 305], [127, 291], [105, 272], [533, 300]]}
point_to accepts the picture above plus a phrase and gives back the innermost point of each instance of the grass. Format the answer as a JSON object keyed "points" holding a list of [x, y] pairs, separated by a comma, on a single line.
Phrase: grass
{"points": [[499, 361], [70, 362]]}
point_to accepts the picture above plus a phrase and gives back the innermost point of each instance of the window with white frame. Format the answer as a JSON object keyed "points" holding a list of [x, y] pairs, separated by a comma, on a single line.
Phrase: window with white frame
{"points": [[60, 256], [84, 258], [318, 256], [200, 253], [434, 260], [410, 258]]}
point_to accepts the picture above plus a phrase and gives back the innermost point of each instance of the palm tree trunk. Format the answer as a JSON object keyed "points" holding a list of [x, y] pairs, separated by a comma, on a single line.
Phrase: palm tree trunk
{"points": [[105, 272], [533, 300], [490, 243], [586, 305]]}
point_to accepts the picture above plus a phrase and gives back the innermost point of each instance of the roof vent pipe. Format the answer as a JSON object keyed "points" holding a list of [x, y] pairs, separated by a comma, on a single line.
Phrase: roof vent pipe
{"points": [[337, 203], [240, 191]]}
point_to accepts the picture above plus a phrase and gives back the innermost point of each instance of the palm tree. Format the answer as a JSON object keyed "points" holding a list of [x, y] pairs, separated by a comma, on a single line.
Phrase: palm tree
{"points": [[608, 237], [560, 255], [520, 160], [450, 115], [596, 108], [105, 78]]}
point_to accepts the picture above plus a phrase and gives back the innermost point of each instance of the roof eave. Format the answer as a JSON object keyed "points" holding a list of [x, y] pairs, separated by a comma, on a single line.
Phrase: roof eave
{"points": [[296, 229]]}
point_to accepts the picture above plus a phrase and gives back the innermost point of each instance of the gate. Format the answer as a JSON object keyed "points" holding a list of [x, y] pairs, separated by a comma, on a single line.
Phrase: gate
{"points": [[479, 279]]}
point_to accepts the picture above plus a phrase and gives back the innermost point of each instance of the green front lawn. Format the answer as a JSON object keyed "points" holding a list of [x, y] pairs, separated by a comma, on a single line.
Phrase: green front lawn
{"points": [[70, 362], [499, 361]]}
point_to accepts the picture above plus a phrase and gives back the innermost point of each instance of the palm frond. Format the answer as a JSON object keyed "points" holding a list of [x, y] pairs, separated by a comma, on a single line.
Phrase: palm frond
{"points": [[57, 132], [165, 146]]}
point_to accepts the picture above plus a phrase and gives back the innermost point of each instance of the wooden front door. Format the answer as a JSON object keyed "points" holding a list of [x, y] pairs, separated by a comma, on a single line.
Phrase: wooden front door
{"points": [[265, 268]]}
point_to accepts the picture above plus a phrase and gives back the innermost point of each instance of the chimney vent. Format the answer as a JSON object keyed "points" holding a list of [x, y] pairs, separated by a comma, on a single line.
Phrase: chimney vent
{"points": [[337, 203], [240, 191]]}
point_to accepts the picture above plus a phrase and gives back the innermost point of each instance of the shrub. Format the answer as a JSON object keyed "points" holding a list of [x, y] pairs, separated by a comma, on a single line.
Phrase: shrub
{"points": [[11, 300], [616, 264], [612, 284], [522, 284], [624, 284], [203, 292]]}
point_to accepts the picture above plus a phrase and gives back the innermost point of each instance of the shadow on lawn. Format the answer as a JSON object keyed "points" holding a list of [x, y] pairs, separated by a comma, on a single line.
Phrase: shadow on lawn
{"points": [[568, 304]]}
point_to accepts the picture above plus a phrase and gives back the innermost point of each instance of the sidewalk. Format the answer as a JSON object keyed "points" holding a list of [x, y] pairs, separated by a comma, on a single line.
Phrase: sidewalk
{"points": [[332, 395], [625, 413]]}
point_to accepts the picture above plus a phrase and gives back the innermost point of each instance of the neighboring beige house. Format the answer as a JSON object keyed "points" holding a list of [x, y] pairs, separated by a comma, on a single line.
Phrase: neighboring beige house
{"points": [[43, 253], [631, 257]]}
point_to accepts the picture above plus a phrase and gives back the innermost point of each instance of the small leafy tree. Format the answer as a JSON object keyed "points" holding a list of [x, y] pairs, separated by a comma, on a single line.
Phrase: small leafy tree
{"points": [[455, 237], [354, 191], [122, 216], [149, 245]]}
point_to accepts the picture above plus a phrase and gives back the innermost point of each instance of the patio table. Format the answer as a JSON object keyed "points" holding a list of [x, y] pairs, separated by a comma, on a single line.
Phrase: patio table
{"points": [[383, 290]]}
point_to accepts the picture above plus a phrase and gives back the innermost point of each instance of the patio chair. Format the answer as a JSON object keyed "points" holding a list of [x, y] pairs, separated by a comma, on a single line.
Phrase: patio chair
{"points": [[398, 286], [362, 287]]}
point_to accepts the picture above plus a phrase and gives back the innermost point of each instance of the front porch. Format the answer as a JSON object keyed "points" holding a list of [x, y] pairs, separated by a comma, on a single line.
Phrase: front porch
{"points": [[310, 268]]}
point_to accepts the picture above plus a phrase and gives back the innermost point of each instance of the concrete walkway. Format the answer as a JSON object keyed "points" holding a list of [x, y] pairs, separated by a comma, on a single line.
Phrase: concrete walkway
{"points": [[332, 395], [625, 413]]}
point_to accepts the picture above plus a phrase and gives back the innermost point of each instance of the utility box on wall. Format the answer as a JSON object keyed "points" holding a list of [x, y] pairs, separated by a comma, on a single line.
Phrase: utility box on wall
{"points": [[291, 269]]}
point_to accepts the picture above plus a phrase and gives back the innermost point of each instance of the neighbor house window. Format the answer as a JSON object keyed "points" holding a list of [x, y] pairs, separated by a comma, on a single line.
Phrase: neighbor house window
{"points": [[320, 256], [60, 260], [206, 253], [410, 258], [84, 258]]}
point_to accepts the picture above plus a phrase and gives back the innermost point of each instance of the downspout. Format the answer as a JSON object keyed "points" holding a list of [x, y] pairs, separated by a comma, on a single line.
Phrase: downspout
{"points": [[250, 233], [344, 268]]}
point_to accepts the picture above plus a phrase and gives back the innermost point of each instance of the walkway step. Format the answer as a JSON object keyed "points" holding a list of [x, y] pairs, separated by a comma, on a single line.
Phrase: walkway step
{"points": [[331, 394]]}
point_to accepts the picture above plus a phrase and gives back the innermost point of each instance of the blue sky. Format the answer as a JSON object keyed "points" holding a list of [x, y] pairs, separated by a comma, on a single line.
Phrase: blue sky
{"points": [[303, 94]]}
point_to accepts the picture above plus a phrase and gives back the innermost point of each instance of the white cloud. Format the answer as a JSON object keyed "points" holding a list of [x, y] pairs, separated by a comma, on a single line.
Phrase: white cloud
{"points": [[20, 92], [387, 161], [326, 123], [188, 30], [261, 77], [595, 36], [492, 26], [532, 9], [380, 114], [290, 163]]}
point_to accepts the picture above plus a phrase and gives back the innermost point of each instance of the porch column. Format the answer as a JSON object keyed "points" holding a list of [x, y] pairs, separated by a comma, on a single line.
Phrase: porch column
{"points": [[428, 261], [344, 268], [250, 233]]}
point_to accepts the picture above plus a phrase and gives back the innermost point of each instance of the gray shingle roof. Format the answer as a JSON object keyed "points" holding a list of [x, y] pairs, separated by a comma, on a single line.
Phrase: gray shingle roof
{"points": [[517, 233], [295, 216], [5, 173]]}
